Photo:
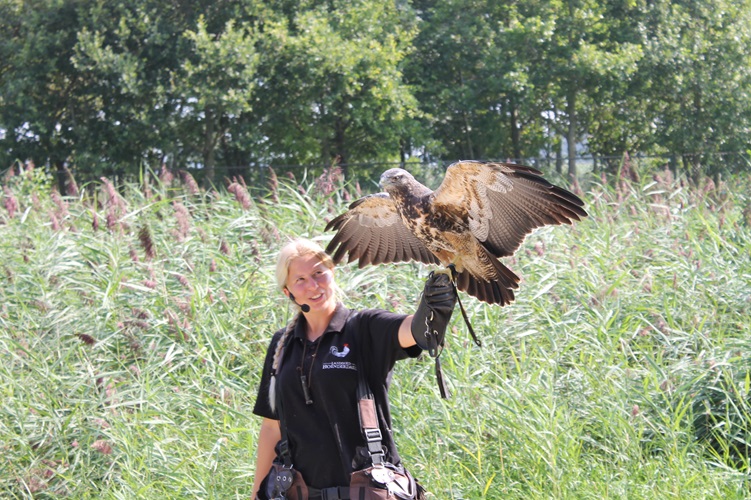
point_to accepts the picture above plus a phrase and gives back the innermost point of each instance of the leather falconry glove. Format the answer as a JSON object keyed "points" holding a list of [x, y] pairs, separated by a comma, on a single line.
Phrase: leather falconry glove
{"points": [[434, 313]]}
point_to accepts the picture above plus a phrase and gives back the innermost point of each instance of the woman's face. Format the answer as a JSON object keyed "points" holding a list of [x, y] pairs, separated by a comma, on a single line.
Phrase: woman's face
{"points": [[310, 281]]}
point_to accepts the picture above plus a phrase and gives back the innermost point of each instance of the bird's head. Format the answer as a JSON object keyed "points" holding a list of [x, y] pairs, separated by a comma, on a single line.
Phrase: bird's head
{"points": [[395, 179]]}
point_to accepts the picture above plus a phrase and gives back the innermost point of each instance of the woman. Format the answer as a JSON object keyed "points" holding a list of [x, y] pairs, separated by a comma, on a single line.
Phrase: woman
{"points": [[311, 374]]}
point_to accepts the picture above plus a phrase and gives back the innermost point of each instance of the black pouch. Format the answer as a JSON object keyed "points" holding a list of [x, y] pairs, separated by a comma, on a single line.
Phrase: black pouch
{"points": [[285, 483]]}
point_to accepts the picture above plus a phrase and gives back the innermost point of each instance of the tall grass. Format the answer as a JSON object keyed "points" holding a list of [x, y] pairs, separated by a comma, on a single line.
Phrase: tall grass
{"points": [[133, 325]]}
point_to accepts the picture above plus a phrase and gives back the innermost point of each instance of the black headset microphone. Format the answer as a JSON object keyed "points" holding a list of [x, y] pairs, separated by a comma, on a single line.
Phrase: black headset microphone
{"points": [[305, 307]]}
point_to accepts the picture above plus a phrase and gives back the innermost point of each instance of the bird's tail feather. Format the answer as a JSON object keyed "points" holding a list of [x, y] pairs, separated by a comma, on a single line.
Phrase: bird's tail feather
{"points": [[499, 290]]}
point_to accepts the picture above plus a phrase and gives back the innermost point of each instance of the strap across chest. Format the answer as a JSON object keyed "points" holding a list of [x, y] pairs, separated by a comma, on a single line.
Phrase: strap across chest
{"points": [[366, 407]]}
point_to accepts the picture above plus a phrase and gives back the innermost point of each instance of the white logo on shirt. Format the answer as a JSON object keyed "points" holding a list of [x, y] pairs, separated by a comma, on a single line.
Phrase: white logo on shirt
{"points": [[338, 353]]}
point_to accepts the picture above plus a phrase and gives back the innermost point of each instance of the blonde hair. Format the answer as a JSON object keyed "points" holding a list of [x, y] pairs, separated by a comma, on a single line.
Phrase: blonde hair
{"points": [[278, 353]]}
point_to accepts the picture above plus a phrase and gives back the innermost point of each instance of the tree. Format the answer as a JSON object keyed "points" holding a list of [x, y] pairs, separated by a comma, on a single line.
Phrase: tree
{"points": [[174, 79], [511, 77], [215, 86], [698, 62], [43, 101], [588, 54], [106, 87], [467, 80], [334, 90]]}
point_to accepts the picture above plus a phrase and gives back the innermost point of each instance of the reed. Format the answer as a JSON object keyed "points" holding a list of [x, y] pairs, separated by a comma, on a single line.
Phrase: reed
{"points": [[621, 371]]}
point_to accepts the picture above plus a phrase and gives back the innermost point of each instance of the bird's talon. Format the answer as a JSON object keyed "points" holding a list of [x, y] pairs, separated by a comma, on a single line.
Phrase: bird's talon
{"points": [[449, 271]]}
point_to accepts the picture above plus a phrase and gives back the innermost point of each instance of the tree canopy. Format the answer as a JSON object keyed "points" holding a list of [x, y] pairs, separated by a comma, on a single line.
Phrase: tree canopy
{"points": [[108, 87]]}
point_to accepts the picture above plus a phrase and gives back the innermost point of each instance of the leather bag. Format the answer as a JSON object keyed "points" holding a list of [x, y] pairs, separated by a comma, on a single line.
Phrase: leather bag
{"points": [[383, 482]]}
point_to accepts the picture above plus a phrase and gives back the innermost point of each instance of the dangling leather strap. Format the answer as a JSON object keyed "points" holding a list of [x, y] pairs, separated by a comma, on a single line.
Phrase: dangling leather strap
{"points": [[434, 349], [454, 273], [442, 387], [466, 318]]}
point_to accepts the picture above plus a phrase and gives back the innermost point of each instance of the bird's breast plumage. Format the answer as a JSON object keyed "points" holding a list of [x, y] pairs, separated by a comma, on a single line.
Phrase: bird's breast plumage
{"points": [[430, 226]]}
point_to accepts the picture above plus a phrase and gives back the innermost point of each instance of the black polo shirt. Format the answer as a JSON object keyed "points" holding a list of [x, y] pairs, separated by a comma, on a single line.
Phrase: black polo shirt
{"points": [[323, 436]]}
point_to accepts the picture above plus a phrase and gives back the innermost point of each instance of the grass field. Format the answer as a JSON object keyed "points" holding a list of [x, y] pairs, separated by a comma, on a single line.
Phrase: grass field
{"points": [[133, 325]]}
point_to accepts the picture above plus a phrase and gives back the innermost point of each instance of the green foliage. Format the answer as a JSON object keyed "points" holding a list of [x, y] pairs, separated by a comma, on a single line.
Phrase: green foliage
{"points": [[689, 44], [722, 410], [108, 88], [335, 88], [216, 86], [170, 83], [133, 325], [26, 181], [42, 98]]}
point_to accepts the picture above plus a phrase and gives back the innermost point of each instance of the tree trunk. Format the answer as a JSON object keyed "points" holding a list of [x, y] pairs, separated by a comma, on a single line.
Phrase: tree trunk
{"points": [[571, 136], [467, 134], [60, 176], [515, 132], [467, 127], [558, 155], [340, 153]]}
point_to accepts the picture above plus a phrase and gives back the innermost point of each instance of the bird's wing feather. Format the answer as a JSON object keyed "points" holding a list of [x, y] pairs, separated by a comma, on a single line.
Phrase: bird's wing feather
{"points": [[502, 203], [372, 232]]}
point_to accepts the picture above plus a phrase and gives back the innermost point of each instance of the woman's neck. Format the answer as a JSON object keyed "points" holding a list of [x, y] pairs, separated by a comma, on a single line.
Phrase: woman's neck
{"points": [[317, 322]]}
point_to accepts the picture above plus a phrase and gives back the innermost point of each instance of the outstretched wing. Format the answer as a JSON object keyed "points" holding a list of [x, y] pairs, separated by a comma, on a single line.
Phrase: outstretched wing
{"points": [[502, 202], [372, 232]]}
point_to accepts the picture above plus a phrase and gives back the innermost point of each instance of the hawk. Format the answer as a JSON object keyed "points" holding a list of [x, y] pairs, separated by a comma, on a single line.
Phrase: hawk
{"points": [[481, 212]]}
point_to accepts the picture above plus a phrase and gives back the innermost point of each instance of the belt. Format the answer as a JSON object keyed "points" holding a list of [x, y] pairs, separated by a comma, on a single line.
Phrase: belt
{"points": [[333, 493]]}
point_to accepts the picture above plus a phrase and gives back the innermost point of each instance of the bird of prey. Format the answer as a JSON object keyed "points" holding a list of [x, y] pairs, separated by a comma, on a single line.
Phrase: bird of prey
{"points": [[481, 212]]}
